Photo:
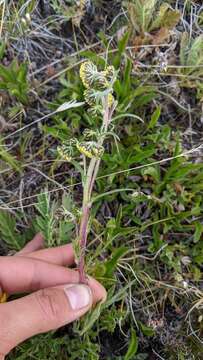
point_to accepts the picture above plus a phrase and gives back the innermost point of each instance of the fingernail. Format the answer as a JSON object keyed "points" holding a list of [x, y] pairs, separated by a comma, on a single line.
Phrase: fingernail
{"points": [[79, 296]]}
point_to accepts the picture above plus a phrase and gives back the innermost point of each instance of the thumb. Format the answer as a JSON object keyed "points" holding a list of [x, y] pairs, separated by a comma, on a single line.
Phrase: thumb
{"points": [[44, 310]]}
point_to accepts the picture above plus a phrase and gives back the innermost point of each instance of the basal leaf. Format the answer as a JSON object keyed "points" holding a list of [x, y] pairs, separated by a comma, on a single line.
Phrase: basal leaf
{"points": [[146, 330], [154, 118], [133, 346], [165, 18], [198, 232], [153, 172], [8, 231], [191, 53], [195, 55], [184, 48], [6, 156], [141, 13], [123, 43], [111, 264], [90, 319]]}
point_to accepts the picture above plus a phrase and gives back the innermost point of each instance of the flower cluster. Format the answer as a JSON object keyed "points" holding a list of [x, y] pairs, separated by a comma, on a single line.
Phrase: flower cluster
{"points": [[98, 84], [65, 151], [90, 149], [62, 213]]}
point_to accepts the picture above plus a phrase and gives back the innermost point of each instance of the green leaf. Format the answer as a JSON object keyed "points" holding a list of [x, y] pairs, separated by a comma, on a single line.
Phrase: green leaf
{"points": [[144, 99], [22, 73], [165, 18], [6, 74], [154, 118], [90, 319], [8, 231], [142, 90], [96, 198], [184, 48], [44, 222], [94, 57], [123, 43], [153, 172], [111, 264], [195, 55], [143, 154], [133, 346], [146, 330], [127, 76], [177, 171], [156, 24], [8, 158], [2, 49], [15, 80], [118, 296], [119, 215], [157, 239], [198, 232], [191, 52], [59, 131], [141, 13]]}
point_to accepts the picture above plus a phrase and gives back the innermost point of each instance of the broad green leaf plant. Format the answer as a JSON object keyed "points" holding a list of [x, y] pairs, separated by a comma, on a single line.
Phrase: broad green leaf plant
{"points": [[98, 95], [191, 60], [13, 79], [150, 23]]}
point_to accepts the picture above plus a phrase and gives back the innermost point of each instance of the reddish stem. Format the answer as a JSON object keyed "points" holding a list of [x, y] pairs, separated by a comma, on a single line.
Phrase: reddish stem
{"points": [[83, 243]]}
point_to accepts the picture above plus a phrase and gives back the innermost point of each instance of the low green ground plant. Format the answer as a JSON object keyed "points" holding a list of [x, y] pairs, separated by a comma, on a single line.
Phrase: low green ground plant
{"points": [[13, 80]]}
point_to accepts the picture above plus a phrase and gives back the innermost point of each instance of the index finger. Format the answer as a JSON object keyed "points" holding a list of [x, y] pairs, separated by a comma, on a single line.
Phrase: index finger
{"points": [[61, 255], [35, 244], [21, 274]]}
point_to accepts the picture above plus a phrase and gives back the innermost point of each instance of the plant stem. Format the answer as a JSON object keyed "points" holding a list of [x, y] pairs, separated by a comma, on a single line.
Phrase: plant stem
{"points": [[83, 242], [87, 192], [85, 219]]}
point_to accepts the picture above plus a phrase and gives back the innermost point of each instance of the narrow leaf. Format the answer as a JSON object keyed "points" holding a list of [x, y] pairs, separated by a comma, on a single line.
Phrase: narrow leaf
{"points": [[198, 232], [90, 319], [112, 263], [69, 105], [133, 346], [154, 118]]}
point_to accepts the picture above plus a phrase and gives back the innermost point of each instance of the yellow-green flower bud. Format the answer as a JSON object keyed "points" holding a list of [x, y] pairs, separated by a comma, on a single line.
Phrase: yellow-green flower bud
{"points": [[110, 100], [87, 71], [90, 149], [64, 152], [90, 97], [109, 74]]}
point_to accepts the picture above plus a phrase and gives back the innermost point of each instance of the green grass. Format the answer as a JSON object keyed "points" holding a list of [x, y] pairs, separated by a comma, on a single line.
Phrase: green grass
{"points": [[145, 245]]}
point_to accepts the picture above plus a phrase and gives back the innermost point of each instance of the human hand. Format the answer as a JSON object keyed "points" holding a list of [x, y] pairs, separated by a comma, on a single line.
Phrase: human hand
{"points": [[55, 298]]}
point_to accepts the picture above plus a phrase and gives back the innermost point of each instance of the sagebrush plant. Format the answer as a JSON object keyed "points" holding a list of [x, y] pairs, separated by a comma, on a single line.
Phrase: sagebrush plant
{"points": [[99, 96]]}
